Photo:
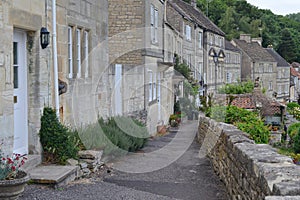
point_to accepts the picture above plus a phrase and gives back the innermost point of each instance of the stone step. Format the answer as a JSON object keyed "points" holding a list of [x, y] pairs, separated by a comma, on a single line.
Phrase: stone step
{"points": [[31, 162], [54, 175]]}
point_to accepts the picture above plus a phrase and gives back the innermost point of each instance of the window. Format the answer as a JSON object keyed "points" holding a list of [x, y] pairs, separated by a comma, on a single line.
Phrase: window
{"points": [[78, 52], [270, 68], [86, 53], [70, 51], [150, 85], [228, 77], [154, 86], [154, 24], [200, 40], [270, 85], [188, 33], [261, 68]]}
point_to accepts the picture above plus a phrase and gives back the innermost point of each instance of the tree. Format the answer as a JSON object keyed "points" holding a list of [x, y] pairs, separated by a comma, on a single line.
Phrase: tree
{"points": [[227, 22], [287, 48]]}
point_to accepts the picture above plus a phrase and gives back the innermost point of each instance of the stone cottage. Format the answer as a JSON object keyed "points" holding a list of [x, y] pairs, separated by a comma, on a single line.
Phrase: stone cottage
{"points": [[27, 70]]}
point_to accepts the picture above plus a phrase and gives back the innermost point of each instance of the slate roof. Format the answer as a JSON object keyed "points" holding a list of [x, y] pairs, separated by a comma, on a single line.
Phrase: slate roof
{"points": [[230, 47], [197, 16], [281, 62], [254, 51]]}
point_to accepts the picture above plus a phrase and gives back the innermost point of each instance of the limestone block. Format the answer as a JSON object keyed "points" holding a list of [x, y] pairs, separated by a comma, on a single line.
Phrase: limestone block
{"points": [[90, 154]]}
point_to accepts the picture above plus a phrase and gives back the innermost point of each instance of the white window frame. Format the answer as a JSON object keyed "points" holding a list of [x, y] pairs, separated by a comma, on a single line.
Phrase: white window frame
{"points": [[78, 52], [150, 73], [86, 54], [200, 40], [154, 24], [70, 51], [154, 86], [188, 32], [270, 85]]}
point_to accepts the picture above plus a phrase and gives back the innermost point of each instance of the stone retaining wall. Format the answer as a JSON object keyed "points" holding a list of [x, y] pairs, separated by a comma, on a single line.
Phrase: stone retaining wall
{"points": [[249, 170]]}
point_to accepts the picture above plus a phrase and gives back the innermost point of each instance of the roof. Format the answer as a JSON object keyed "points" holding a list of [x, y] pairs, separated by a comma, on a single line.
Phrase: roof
{"points": [[197, 16], [295, 64], [230, 47], [249, 101], [254, 51], [281, 62], [294, 72]]}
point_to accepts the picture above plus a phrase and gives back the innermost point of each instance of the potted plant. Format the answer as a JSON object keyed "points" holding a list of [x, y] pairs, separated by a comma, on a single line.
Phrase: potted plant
{"points": [[12, 179]]}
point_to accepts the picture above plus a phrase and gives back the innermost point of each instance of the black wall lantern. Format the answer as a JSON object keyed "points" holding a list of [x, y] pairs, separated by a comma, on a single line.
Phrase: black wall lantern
{"points": [[45, 37]]}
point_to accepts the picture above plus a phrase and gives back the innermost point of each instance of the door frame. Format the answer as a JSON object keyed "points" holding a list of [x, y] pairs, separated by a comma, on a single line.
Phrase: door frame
{"points": [[22, 55]]}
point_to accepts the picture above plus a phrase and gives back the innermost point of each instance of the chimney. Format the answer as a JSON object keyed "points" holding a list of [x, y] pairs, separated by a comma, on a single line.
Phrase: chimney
{"points": [[245, 37], [258, 40], [194, 3]]}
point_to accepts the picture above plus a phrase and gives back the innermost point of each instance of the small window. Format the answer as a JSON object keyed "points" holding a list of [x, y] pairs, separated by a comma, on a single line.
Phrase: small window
{"points": [[200, 40], [154, 24], [70, 52], [188, 33], [78, 51], [86, 53]]}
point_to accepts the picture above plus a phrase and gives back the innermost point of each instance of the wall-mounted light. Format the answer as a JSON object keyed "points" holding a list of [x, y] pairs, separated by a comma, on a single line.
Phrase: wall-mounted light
{"points": [[45, 37]]}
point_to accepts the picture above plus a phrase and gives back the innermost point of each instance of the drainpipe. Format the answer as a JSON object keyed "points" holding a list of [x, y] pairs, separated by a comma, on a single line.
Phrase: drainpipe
{"points": [[55, 58]]}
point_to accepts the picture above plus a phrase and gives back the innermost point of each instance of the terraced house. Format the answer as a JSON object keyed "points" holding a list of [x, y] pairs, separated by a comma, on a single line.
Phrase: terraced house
{"points": [[62, 75]]}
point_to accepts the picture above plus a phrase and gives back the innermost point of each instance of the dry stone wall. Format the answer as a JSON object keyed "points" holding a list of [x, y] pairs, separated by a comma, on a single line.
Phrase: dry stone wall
{"points": [[249, 170]]}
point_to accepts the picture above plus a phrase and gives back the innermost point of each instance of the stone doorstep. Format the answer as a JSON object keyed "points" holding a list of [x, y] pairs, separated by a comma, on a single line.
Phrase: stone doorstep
{"points": [[53, 175], [31, 162]]}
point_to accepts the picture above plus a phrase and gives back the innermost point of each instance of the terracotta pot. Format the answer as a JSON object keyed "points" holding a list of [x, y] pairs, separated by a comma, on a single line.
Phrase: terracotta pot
{"points": [[11, 189]]}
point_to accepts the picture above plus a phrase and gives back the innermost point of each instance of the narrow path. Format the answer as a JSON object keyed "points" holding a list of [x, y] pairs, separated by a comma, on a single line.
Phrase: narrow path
{"points": [[167, 168], [186, 177]]}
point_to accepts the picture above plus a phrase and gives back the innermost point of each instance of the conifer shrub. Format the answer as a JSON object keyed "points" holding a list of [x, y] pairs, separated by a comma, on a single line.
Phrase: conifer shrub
{"points": [[58, 142]]}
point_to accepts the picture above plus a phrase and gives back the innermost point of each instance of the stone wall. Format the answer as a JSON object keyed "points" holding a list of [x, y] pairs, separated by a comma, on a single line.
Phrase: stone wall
{"points": [[249, 170]]}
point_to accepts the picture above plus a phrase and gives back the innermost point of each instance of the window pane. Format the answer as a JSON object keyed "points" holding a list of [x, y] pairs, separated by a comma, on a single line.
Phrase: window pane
{"points": [[15, 70]]}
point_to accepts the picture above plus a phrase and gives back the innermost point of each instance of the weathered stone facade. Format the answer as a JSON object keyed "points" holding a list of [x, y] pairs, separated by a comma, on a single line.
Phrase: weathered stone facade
{"points": [[249, 171], [79, 105], [26, 17]]}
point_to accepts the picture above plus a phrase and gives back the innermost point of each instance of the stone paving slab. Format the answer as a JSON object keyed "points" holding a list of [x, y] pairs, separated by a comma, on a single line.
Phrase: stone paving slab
{"points": [[52, 174]]}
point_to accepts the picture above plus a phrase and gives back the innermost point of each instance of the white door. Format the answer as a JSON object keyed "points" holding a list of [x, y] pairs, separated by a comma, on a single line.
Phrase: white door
{"points": [[118, 90], [20, 93]]}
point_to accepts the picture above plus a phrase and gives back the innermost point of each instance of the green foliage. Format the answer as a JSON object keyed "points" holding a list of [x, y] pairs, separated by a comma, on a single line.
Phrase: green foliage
{"points": [[182, 68], [248, 122], [237, 88], [294, 109], [296, 145], [124, 133], [116, 136], [293, 130], [237, 16], [58, 142], [287, 46], [206, 102]]}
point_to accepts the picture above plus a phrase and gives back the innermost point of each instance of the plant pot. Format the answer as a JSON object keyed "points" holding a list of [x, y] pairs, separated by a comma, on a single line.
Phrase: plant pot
{"points": [[11, 189]]}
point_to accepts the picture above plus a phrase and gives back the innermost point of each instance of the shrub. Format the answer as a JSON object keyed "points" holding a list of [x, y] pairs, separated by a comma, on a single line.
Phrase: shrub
{"points": [[237, 88], [293, 130], [296, 145], [248, 122], [58, 142]]}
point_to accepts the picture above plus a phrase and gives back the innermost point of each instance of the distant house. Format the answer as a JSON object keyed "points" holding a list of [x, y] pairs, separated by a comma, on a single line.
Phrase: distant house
{"points": [[233, 66], [281, 92], [294, 84], [257, 63], [212, 38]]}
